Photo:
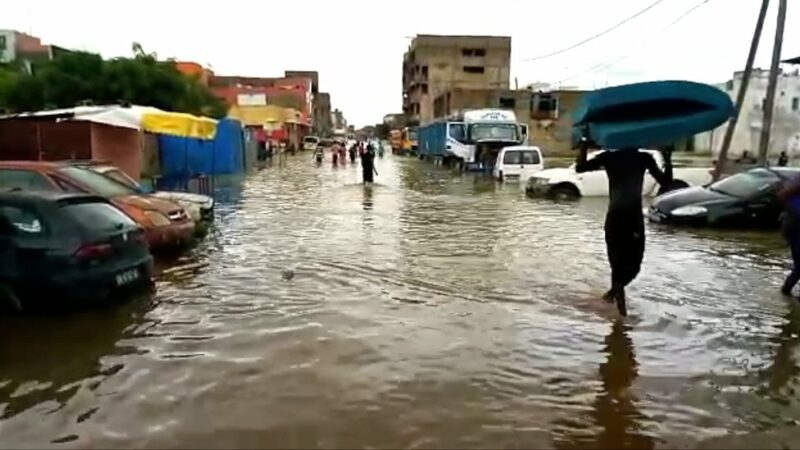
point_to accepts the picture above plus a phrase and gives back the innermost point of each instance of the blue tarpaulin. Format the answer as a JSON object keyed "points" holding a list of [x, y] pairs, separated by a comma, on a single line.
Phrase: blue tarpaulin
{"points": [[187, 157], [651, 114]]}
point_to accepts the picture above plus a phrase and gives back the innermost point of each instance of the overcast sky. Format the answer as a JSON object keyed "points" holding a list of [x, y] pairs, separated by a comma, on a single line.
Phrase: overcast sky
{"points": [[357, 46]]}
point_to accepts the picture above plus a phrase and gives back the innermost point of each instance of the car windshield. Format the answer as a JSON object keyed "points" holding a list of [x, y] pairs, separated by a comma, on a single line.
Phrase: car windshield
{"points": [[485, 131], [120, 176], [311, 140], [745, 184], [98, 184]]}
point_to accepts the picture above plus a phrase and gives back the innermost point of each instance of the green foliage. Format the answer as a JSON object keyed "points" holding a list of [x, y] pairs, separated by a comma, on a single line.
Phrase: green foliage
{"points": [[77, 77]]}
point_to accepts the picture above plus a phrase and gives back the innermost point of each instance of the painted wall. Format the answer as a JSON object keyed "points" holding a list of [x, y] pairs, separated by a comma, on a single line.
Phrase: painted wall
{"points": [[785, 134]]}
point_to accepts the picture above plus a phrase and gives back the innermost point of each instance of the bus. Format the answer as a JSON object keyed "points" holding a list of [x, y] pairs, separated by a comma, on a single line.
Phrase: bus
{"points": [[410, 141], [396, 139]]}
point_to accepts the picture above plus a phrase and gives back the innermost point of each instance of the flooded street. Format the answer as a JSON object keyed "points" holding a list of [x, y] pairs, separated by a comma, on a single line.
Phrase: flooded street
{"points": [[431, 310]]}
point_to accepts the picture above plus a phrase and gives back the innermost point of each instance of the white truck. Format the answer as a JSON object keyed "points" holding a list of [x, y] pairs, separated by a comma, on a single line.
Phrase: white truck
{"points": [[566, 183]]}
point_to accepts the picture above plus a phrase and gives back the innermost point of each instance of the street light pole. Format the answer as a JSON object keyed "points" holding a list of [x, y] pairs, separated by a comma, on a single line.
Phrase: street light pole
{"points": [[769, 102], [748, 69]]}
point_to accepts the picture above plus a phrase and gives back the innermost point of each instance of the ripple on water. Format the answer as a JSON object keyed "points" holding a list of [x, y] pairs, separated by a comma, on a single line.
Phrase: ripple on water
{"points": [[431, 310]]}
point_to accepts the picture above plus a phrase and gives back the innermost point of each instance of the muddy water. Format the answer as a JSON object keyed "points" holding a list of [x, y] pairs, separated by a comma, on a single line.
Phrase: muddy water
{"points": [[428, 311]]}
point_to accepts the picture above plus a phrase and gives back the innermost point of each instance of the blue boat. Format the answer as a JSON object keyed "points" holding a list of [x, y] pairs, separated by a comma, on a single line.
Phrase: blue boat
{"points": [[651, 114]]}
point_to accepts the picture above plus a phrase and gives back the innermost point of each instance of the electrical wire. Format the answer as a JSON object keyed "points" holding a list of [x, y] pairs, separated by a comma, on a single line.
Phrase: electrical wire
{"points": [[605, 65], [593, 37]]}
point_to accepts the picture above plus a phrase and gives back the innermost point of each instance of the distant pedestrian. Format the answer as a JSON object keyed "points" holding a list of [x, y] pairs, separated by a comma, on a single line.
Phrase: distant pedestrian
{"points": [[335, 154], [783, 160], [352, 152], [368, 166]]}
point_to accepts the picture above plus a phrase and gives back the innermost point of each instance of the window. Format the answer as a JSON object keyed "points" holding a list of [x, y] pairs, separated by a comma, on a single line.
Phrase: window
{"points": [[512, 158], [795, 103], [24, 222], [424, 88], [530, 157], [98, 184], [729, 85], [24, 179], [2, 42], [472, 52], [457, 131], [98, 216], [546, 103], [425, 72], [508, 103], [120, 177], [747, 184], [474, 69]]}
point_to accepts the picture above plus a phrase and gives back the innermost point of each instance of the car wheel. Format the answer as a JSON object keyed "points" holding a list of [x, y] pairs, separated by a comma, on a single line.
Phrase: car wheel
{"points": [[564, 192], [673, 186]]}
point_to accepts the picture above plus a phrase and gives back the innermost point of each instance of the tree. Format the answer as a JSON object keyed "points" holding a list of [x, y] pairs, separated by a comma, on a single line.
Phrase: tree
{"points": [[76, 77]]}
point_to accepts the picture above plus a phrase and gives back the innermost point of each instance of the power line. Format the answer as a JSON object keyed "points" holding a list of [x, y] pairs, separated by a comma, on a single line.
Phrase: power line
{"points": [[605, 65], [593, 37]]}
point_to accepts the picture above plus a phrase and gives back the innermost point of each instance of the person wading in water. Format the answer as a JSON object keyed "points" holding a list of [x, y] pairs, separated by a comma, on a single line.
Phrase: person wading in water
{"points": [[624, 226], [368, 165], [789, 194]]}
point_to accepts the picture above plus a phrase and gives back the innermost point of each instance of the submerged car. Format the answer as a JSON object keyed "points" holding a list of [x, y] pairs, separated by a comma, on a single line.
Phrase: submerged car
{"points": [[744, 200], [167, 224], [200, 207], [566, 183], [61, 249]]}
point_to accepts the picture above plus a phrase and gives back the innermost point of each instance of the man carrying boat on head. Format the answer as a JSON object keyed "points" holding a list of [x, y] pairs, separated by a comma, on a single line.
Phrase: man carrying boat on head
{"points": [[624, 226]]}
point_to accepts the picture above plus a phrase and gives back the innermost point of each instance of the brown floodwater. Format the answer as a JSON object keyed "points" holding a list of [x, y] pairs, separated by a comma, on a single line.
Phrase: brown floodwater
{"points": [[431, 310]]}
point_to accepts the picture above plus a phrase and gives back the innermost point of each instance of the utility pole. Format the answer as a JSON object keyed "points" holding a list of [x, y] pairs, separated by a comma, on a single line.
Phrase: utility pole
{"points": [[748, 69], [769, 102]]}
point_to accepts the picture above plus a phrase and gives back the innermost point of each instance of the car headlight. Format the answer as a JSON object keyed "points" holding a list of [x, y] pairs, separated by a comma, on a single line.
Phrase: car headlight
{"points": [[689, 211], [158, 219]]}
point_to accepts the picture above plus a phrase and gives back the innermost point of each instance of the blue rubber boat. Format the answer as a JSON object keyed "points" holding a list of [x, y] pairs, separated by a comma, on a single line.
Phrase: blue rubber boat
{"points": [[651, 114]]}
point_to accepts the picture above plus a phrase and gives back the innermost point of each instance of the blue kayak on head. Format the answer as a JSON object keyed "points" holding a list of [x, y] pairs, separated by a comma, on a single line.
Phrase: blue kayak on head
{"points": [[651, 114]]}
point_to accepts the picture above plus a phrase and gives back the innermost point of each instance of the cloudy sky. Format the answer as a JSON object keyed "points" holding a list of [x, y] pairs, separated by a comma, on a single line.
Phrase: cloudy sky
{"points": [[357, 46]]}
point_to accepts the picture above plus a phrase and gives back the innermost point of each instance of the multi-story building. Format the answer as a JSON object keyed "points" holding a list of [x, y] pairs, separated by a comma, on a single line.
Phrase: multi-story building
{"points": [[434, 64], [24, 48], [322, 114], [785, 133]]}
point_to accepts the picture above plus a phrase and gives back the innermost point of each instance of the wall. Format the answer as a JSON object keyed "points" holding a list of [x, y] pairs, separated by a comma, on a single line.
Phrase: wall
{"points": [[45, 140], [785, 133], [120, 146], [435, 64]]}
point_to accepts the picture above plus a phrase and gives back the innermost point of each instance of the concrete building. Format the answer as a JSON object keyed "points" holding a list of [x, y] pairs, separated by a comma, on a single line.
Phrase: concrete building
{"points": [[785, 134], [323, 126], [547, 113], [434, 64], [338, 121], [27, 49]]}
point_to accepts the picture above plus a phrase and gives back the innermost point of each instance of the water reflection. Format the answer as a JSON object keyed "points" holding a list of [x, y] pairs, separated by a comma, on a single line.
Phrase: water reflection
{"points": [[616, 419], [46, 360]]}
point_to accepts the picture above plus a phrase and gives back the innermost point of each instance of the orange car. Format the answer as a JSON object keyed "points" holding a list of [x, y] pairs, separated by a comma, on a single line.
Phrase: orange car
{"points": [[166, 224]]}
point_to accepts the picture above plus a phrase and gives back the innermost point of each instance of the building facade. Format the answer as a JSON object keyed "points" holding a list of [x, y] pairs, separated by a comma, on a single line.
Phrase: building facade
{"points": [[785, 133], [434, 64], [26, 49], [547, 113]]}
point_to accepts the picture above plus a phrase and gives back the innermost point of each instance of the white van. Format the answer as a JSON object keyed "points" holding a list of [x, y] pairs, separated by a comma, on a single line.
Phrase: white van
{"points": [[518, 163], [310, 143]]}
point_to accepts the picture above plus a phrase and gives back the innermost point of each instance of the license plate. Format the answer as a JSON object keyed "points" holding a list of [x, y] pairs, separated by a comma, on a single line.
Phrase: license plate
{"points": [[127, 277]]}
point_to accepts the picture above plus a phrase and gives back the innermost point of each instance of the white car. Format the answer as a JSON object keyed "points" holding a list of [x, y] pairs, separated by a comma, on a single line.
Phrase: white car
{"points": [[566, 183], [518, 163], [310, 143]]}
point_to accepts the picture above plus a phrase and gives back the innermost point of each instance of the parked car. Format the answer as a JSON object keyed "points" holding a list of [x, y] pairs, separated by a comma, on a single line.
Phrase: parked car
{"points": [[566, 183], [744, 200], [310, 143], [62, 249], [200, 207], [167, 225], [518, 163]]}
